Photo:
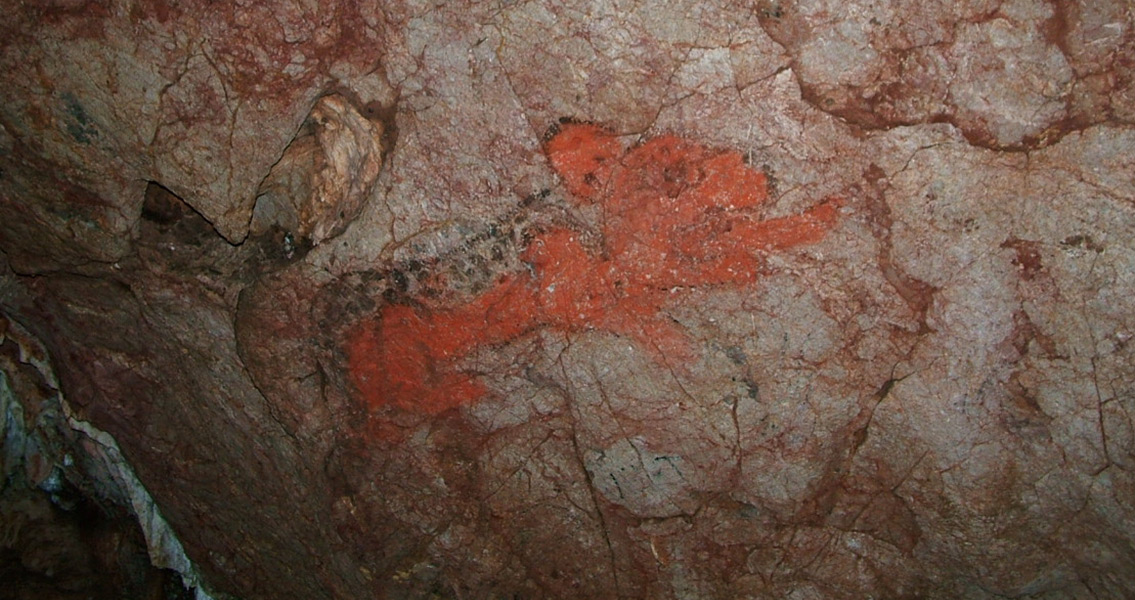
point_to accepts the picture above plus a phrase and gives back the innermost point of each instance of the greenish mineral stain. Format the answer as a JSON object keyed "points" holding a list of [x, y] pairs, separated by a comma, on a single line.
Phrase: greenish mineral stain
{"points": [[80, 126]]}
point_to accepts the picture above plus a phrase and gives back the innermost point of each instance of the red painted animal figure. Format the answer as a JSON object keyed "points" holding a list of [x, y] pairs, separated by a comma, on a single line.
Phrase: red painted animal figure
{"points": [[675, 215]]}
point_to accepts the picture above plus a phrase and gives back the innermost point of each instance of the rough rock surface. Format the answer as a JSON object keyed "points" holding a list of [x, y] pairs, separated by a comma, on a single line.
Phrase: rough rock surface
{"points": [[930, 395], [76, 521]]}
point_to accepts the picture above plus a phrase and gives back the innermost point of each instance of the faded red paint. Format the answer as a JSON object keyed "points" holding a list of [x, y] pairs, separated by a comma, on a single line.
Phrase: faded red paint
{"points": [[676, 215]]}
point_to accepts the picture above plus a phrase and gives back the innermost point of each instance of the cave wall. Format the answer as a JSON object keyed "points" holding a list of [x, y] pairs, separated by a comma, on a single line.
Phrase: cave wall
{"points": [[625, 299]]}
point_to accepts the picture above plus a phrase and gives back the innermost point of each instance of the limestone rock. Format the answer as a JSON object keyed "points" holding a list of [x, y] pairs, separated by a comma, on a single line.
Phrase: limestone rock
{"points": [[325, 176], [830, 299]]}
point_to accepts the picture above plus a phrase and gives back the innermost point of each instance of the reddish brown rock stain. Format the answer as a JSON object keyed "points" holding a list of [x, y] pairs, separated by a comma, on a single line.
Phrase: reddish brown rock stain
{"points": [[676, 215]]}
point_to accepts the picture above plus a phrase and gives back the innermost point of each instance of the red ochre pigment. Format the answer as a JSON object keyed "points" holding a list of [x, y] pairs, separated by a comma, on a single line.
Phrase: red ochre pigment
{"points": [[676, 214]]}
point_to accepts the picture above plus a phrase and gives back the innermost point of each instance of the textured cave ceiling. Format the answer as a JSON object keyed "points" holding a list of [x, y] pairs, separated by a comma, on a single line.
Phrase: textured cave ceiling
{"points": [[645, 299]]}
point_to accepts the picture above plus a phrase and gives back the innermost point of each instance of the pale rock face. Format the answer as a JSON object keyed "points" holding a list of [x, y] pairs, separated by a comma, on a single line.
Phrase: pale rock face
{"points": [[925, 392], [325, 176]]}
